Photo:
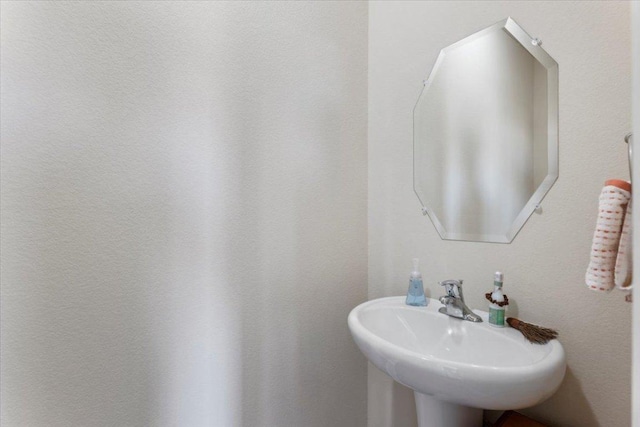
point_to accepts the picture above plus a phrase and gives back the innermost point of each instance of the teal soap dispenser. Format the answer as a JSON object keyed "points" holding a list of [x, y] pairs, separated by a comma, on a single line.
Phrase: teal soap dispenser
{"points": [[415, 294]]}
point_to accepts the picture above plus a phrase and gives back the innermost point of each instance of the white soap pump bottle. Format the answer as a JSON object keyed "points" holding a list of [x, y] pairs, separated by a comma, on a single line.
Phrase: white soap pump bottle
{"points": [[497, 302]]}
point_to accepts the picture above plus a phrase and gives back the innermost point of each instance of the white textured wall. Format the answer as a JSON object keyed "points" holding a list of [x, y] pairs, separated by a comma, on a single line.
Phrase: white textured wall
{"points": [[183, 213], [545, 265]]}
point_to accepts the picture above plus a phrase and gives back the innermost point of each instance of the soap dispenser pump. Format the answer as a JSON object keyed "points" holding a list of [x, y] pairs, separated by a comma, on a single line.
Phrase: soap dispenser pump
{"points": [[415, 294]]}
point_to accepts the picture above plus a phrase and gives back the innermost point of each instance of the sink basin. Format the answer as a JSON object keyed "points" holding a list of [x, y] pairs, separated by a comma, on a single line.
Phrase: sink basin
{"points": [[455, 367]]}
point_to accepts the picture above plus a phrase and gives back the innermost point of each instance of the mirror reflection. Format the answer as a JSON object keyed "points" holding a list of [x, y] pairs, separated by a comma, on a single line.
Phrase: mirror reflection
{"points": [[485, 134]]}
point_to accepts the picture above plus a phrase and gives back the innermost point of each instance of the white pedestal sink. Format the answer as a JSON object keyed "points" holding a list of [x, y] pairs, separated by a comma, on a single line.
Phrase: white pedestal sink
{"points": [[455, 367]]}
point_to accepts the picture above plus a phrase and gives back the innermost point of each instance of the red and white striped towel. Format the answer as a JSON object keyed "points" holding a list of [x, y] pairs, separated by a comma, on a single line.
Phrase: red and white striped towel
{"points": [[624, 261], [608, 257]]}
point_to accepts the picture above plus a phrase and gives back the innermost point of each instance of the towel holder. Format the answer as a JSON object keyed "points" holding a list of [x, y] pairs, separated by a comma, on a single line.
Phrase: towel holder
{"points": [[628, 138]]}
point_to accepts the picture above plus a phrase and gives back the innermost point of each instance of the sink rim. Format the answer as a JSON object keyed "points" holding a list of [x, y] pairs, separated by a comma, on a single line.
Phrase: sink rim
{"points": [[555, 349], [430, 375]]}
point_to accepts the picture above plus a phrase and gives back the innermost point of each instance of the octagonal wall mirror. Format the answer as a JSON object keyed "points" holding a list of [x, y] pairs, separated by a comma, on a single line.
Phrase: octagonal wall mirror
{"points": [[486, 134]]}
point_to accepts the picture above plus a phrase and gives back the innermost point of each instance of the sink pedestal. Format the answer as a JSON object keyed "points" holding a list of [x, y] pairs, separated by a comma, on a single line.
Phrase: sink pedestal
{"points": [[437, 413]]}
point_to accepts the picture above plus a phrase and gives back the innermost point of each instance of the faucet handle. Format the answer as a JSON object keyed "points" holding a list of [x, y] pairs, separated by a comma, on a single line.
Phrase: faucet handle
{"points": [[451, 283], [453, 288]]}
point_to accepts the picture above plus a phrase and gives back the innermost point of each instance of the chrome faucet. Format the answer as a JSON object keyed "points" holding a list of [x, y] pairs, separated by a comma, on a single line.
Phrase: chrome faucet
{"points": [[454, 302]]}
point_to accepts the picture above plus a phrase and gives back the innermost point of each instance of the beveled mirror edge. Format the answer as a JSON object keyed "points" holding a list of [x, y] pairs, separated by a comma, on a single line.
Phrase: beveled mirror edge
{"points": [[468, 39], [518, 33], [552, 125], [476, 35], [466, 237], [537, 51]]}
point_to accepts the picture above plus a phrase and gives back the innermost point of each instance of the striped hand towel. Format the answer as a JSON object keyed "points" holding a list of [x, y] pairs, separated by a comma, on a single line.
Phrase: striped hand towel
{"points": [[614, 199]]}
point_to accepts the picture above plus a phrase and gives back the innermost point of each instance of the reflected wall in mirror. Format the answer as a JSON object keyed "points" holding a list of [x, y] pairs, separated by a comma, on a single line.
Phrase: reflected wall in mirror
{"points": [[486, 134]]}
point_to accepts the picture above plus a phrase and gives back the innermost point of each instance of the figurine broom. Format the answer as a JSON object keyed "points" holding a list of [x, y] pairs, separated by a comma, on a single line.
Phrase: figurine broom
{"points": [[534, 333]]}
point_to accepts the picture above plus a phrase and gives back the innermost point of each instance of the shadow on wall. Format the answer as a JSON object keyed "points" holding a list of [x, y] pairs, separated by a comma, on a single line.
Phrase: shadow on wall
{"points": [[397, 407], [571, 389], [287, 222], [396, 404]]}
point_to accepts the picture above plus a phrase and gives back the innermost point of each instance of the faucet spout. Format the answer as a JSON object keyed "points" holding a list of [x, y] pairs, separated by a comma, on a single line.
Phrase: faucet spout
{"points": [[453, 302]]}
